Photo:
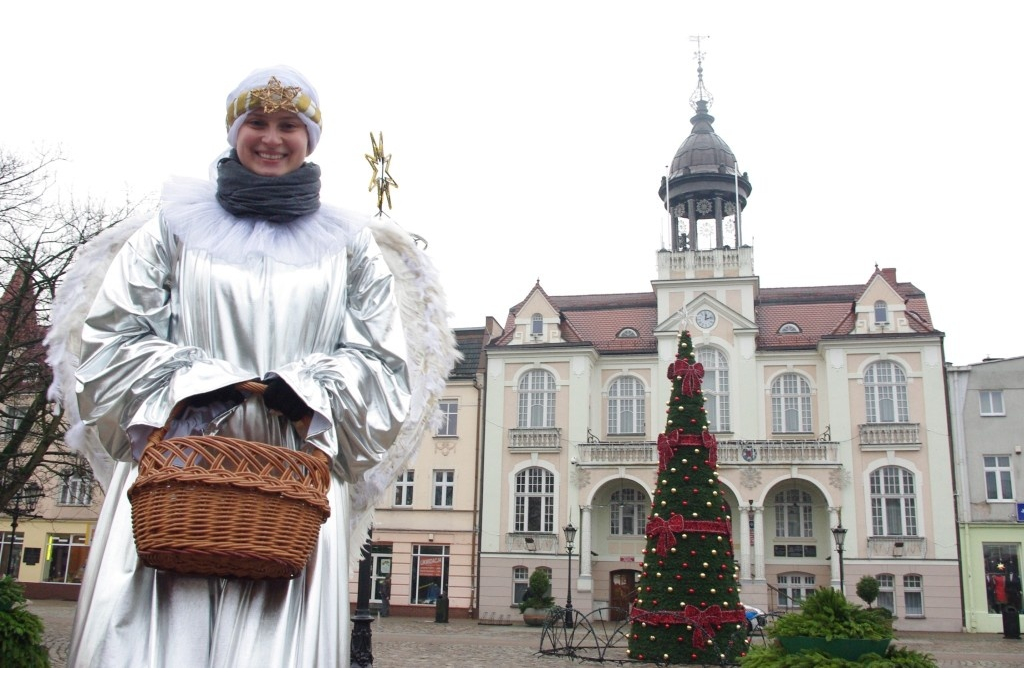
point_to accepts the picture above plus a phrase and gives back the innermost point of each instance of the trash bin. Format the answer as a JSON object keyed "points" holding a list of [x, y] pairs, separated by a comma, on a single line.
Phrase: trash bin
{"points": [[441, 610], [1011, 623]]}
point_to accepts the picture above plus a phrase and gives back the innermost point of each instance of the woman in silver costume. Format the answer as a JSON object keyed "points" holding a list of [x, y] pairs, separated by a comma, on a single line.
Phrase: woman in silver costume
{"points": [[247, 277]]}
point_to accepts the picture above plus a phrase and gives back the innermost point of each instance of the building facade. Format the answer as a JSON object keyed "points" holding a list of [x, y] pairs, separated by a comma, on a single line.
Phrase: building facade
{"points": [[828, 403], [424, 534], [986, 404]]}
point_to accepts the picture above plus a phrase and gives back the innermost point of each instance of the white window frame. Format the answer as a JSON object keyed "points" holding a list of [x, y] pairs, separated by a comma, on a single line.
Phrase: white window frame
{"points": [[627, 406], [629, 510], [998, 477], [715, 387], [881, 312], [76, 491], [534, 501], [885, 393], [913, 586], [404, 489], [444, 488], [793, 588], [991, 402], [893, 491], [887, 591], [537, 399], [449, 410], [791, 404], [537, 325], [794, 513], [520, 583]]}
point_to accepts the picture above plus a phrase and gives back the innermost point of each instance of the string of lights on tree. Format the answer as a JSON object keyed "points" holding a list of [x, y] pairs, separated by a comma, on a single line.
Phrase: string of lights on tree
{"points": [[688, 609]]}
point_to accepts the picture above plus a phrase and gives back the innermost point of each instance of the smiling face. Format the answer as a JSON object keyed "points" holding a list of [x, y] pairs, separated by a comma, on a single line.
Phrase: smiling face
{"points": [[272, 144]]}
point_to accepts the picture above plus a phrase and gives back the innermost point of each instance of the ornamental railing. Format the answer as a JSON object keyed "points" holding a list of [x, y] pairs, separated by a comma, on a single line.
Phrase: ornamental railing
{"points": [[535, 439], [886, 434], [730, 452]]}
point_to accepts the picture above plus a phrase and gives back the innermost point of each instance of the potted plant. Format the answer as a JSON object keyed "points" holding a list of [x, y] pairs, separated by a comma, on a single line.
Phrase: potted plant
{"points": [[828, 623], [537, 600]]}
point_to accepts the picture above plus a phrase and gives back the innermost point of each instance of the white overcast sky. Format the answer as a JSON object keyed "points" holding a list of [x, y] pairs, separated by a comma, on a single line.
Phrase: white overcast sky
{"points": [[529, 138]]}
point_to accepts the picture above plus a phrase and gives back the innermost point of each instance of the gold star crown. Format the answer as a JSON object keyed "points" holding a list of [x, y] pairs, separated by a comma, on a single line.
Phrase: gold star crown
{"points": [[272, 97]]}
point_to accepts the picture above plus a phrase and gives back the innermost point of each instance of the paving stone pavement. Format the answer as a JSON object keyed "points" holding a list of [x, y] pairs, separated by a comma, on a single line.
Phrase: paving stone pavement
{"points": [[403, 642]]}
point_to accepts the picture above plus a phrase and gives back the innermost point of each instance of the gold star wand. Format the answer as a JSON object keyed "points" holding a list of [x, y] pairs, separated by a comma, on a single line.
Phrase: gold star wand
{"points": [[381, 178]]}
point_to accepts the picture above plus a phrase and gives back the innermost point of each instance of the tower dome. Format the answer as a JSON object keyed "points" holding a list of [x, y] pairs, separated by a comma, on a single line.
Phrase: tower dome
{"points": [[706, 194]]}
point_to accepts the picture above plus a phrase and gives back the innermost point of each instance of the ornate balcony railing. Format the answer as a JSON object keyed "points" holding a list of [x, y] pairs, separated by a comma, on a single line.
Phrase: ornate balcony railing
{"points": [[739, 452], [730, 452], [888, 434], [535, 439]]}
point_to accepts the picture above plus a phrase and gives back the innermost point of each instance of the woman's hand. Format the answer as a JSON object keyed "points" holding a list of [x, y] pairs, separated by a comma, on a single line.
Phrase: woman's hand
{"points": [[280, 397]]}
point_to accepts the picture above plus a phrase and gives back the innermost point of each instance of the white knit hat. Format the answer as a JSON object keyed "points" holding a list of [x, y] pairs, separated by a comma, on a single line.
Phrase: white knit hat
{"points": [[279, 87]]}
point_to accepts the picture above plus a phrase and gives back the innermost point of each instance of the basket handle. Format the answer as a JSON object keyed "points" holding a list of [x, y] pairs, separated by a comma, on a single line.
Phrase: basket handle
{"points": [[254, 387]]}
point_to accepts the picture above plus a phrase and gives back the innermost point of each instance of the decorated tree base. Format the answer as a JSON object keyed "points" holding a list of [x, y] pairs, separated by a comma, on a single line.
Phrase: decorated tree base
{"points": [[688, 609]]}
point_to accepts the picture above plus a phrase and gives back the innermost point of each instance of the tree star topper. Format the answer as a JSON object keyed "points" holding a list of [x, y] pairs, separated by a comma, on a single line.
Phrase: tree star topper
{"points": [[381, 178], [275, 96]]}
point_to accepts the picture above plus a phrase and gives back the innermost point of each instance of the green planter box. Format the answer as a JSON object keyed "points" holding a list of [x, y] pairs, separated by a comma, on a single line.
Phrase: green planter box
{"points": [[844, 649]]}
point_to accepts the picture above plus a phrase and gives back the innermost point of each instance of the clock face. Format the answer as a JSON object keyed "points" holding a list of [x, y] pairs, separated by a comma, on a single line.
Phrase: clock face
{"points": [[705, 318]]}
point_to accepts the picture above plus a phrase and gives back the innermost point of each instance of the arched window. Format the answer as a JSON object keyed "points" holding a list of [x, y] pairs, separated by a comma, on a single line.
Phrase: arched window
{"points": [[626, 406], [788, 328], [537, 399], [885, 392], [793, 514], [881, 312], [791, 404], [535, 501], [887, 591], [536, 325], [628, 333], [629, 512], [893, 501], [716, 388], [793, 588]]}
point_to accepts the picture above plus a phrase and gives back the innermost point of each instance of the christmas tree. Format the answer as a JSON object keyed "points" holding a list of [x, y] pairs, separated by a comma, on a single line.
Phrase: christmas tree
{"points": [[688, 609]]}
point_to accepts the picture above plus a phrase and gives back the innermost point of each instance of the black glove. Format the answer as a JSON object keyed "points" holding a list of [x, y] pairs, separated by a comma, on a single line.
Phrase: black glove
{"points": [[279, 396], [228, 394]]}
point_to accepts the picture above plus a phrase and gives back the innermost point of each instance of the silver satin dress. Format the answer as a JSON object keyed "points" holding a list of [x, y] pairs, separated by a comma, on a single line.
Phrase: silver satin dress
{"points": [[183, 311]]}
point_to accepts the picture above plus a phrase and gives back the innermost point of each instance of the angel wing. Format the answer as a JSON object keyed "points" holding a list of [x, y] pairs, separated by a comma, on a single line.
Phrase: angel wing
{"points": [[63, 341], [433, 353]]}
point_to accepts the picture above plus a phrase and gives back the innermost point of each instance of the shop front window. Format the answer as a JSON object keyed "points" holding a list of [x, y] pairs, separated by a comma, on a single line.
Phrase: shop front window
{"points": [[429, 573], [1002, 576], [65, 558]]}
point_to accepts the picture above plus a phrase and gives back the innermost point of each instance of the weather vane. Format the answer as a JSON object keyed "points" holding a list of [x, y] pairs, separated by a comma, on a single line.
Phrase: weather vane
{"points": [[381, 178]]}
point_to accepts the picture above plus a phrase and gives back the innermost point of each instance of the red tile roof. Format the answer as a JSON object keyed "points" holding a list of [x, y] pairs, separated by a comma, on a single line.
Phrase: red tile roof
{"points": [[819, 312]]}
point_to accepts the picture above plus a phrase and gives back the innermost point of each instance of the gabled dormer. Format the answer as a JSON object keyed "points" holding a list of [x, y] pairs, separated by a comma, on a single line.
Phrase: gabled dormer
{"points": [[535, 320], [881, 308]]}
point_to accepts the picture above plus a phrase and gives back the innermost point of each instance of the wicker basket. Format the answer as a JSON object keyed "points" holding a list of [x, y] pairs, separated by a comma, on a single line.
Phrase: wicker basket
{"points": [[215, 506]]}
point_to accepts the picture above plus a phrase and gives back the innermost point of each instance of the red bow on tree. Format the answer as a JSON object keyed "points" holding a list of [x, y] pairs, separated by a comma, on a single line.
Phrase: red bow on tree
{"points": [[663, 530], [706, 621], [691, 375], [667, 446]]}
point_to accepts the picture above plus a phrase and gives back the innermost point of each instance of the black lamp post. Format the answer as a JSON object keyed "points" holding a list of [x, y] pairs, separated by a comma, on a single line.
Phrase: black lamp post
{"points": [[839, 533], [361, 647], [570, 537], [22, 504]]}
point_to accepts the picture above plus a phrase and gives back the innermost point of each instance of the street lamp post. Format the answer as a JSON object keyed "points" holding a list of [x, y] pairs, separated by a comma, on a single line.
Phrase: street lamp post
{"points": [[570, 536], [839, 533], [22, 504]]}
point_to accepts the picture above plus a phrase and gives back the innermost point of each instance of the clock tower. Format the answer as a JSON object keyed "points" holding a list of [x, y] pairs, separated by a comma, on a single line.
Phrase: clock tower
{"points": [[704, 193]]}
